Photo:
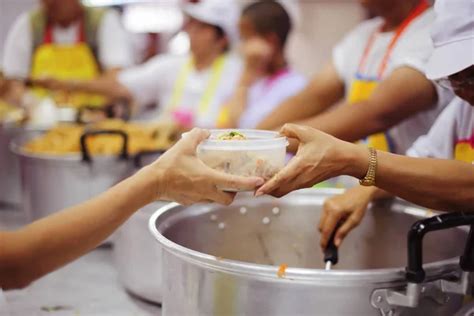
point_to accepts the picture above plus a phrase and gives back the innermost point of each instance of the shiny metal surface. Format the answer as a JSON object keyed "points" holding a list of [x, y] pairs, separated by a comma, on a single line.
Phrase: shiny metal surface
{"points": [[224, 261], [138, 257], [51, 183], [10, 187]]}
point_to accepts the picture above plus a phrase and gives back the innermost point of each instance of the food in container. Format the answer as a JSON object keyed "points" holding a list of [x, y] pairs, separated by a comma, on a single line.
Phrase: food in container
{"points": [[244, 152]]}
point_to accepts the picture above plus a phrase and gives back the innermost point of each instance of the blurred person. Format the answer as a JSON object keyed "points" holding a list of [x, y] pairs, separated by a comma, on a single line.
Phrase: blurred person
{"points": [[374, 87], [266, 80], [51, 242], [440, 172], [65, 40], [189, 89]]}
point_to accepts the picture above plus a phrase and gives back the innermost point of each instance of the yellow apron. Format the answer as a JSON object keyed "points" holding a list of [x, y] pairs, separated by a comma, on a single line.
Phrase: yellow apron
{"points": [[464, 150], [363, 86], [361, 90], [203, 107], [66, 62]]}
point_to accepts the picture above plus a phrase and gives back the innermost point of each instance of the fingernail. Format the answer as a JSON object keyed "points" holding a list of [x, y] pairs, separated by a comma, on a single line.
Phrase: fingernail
{"points": [[259, 182]]}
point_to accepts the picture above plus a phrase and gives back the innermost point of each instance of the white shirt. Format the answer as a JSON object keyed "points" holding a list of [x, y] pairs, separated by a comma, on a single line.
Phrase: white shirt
{"points": [[412, 49], [113, 46], [455, 124], [267, 93], [155, 80], [3, 305]]}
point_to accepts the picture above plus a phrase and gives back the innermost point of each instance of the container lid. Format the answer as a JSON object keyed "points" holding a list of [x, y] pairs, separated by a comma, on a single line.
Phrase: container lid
{"points": [[256, 140]]}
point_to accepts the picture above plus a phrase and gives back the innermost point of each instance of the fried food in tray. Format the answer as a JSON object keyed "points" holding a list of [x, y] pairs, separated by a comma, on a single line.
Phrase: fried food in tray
{"points": [[65, 138]]}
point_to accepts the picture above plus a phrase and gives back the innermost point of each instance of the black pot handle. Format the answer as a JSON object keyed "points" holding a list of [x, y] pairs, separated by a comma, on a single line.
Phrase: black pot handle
{"points": [[331, 252], [414, 270], [137, 160], [85, 151]]}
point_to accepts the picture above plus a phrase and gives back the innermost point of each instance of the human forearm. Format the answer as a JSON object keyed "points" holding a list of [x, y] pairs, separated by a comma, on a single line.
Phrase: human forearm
{"points": [[64, 236], [351, 122], [325, 90], [434, 183], [295, 108], [107, 86]]}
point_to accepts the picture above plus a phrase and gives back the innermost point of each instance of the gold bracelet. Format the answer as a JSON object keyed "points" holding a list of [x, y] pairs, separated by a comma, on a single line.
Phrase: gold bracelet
{"points": [[369, 179]]}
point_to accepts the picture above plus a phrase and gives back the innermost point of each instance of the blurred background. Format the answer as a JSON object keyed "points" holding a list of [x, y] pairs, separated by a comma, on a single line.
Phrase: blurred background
{"points": [[154, 26]]}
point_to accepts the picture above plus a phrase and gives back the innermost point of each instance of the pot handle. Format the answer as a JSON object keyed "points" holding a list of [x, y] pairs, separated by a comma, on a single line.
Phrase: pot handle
{"points": [[414, 271], [85, 151], [137, 160], [388, 299]]}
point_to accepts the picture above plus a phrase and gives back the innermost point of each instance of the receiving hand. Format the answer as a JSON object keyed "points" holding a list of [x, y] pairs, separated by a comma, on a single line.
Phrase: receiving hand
{"points": [[347, 210], [319, 157], [185, 179]]}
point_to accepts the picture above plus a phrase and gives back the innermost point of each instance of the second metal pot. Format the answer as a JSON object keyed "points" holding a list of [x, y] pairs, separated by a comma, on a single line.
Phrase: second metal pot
{"points": [[53, 182]]}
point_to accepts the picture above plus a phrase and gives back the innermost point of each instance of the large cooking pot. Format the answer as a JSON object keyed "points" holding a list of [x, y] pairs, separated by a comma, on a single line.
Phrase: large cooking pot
{"points": [[53, 182], [137, 257], [10, 188], [225, 260]]}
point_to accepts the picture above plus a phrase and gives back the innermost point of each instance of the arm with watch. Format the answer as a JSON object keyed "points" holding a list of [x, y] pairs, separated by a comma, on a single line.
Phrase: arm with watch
{"points": [[433, 183]]}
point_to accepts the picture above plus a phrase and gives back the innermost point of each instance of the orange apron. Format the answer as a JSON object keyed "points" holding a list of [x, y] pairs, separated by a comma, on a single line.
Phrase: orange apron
{"points": [[66, 62], [363, 86]]}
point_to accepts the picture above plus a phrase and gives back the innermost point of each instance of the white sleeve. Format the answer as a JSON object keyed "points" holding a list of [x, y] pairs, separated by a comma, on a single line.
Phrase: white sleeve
{"points": [[18, 48], [439, 142], [145, 81], [415, 49], [339, 56], [114, 45]]}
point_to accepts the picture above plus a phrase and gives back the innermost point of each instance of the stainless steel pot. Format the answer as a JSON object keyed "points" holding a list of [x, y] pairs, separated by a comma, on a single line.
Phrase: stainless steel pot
{"points": [[137, 257], [53, 182], [10, 188], [224, 261]]}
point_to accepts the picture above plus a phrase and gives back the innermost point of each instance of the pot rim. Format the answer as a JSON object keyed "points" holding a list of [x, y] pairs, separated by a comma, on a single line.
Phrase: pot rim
{"points": [[434, 270], [16, 146]]}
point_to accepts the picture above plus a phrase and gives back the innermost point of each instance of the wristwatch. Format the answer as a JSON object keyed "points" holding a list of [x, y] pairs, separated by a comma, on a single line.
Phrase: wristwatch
{"points": [[369, 179]]}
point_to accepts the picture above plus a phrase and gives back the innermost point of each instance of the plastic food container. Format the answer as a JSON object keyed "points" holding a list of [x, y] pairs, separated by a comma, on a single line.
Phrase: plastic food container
{"points": [[261, 154]]}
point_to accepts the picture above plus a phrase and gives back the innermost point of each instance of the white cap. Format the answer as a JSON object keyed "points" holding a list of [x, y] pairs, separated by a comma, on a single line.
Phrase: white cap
{"points": [[222, 13], [453, 38]]}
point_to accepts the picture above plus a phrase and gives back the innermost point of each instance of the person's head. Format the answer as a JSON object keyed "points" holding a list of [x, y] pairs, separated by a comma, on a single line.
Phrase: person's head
{"points": [[268, 20], [62, 12], [452, 62], [211, 26]]}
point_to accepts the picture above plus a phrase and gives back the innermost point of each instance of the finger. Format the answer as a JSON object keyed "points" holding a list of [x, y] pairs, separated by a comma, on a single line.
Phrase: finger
{"points": [[233, 182], [221, 197], [352, 222], [293, 145], [323, 218], [329, 226], [281, 178]]}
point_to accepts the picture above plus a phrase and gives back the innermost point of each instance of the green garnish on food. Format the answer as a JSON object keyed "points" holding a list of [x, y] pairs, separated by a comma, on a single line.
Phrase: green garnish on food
{"points": [[233, 135]]}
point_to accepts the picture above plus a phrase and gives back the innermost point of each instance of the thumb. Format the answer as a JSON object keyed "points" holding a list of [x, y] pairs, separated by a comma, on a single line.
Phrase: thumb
{"points": [[299, 132], [192, 139]]}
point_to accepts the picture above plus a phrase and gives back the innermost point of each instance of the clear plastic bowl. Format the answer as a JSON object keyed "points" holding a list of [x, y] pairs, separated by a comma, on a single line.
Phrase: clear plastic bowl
{"points": [[262, 154]]}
